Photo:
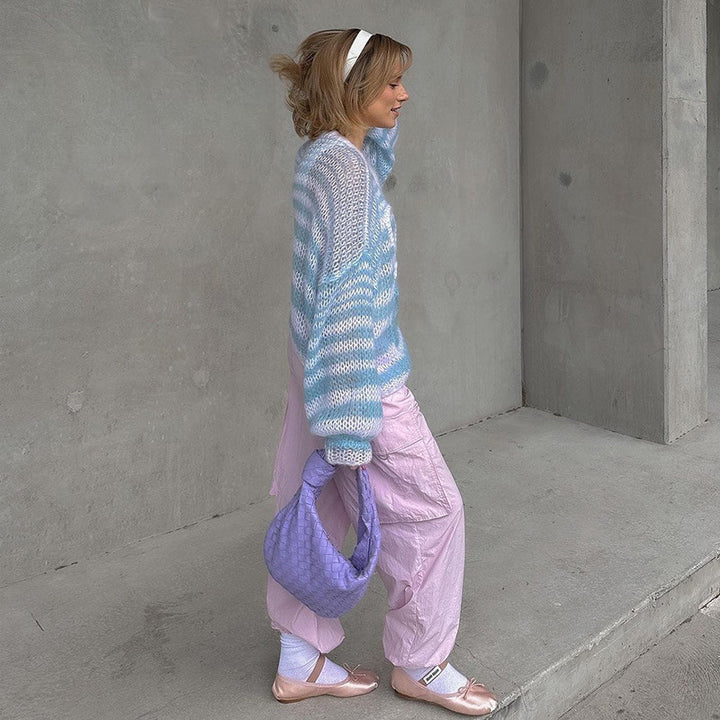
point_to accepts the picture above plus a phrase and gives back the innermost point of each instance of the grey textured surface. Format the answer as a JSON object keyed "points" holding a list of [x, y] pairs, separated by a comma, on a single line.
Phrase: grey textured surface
{"points": [[685, 216], [570, 528], [613, 226], [713, 140], [678, 678], [145, 250]]}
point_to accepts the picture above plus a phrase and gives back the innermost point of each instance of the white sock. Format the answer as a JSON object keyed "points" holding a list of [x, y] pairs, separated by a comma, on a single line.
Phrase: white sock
{"points": [[446, 681], [298, 658]]}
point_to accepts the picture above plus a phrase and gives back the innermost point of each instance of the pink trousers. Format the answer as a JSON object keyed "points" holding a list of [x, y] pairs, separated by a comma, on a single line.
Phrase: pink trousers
{"points": [[422, 522]]}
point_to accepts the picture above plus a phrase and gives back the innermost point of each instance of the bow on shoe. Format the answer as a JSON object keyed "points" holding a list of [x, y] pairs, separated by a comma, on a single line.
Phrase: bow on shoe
{"points": [[471, 684], [465, 689]]}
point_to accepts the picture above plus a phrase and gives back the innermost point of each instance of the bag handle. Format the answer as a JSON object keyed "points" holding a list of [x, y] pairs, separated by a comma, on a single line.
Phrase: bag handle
{"points": [[317, 471], [367, 518]]}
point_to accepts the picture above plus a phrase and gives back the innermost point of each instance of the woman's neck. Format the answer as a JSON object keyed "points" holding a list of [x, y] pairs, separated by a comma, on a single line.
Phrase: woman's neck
{"points": [[356, 136]]}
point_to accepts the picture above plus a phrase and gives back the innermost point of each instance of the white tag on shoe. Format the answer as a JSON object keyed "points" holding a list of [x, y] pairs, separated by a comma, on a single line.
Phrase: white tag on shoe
{"points": [[430, 675]]}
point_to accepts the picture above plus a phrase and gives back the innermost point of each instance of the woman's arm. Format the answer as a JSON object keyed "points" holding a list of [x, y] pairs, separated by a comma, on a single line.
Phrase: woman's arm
{"points": [[342, 391], [379, 148]]}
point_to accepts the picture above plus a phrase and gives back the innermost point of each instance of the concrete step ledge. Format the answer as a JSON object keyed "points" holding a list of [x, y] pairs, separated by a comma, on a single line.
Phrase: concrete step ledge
{"points": [[554, 691]]}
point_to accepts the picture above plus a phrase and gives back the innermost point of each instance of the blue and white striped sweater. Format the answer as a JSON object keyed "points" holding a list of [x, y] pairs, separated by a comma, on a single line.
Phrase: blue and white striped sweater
{"points": [[343, 317]]}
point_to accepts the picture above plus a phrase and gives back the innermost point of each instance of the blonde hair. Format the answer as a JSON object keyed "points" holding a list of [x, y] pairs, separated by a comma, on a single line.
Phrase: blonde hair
{"points": [[318, 97]]}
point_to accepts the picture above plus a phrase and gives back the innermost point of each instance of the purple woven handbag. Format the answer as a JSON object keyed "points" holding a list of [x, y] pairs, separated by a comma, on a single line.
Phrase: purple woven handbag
{"points": [[301, 557]]}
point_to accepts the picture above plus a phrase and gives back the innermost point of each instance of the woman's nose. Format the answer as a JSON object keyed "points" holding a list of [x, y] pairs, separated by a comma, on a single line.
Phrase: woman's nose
{"points": [[403, 94]]}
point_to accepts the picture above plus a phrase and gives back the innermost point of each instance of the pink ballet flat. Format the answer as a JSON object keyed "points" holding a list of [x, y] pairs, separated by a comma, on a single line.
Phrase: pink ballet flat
{"points": [[358, 682], [471, 699]]}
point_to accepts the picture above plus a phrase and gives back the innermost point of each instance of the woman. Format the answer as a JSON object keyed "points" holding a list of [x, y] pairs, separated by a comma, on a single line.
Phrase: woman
{"points": [[347, 393]]}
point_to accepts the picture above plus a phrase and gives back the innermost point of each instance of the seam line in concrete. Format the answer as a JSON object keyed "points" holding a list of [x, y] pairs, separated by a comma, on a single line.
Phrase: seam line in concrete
{"points": [[477, 422], [124, 546]]}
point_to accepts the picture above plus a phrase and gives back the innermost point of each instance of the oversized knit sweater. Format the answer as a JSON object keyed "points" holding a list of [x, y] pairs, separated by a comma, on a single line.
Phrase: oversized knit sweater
{"points": [[343, 317]]}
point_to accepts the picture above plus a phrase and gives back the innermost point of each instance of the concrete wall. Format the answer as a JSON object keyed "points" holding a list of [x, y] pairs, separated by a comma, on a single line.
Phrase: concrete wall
{"points": [[145, 250], [598, 245], [713, 139]]}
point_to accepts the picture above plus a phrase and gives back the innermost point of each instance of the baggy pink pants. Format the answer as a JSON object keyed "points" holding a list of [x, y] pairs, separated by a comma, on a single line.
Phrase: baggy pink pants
{"points": [[423, 533]]}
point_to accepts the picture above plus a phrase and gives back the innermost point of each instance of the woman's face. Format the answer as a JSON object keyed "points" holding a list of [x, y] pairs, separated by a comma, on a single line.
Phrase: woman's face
{"points": [[383, 110]]}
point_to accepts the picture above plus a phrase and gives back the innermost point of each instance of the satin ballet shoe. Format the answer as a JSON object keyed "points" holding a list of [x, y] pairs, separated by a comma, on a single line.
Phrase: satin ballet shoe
{"points": [[358, 682], [471, 699]]}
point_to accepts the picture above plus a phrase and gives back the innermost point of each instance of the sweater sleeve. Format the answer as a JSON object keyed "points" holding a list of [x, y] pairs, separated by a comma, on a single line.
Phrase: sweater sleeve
{"points": [[342, 391], [379, 148]]}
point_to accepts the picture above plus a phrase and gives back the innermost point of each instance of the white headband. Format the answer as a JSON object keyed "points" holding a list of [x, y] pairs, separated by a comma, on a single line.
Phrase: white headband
{"points": [[356, 48]]}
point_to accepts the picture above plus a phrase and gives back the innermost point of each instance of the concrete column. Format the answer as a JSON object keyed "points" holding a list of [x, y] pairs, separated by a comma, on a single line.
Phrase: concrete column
{"points": [[685, 216], [614, 216], [713, 139]]}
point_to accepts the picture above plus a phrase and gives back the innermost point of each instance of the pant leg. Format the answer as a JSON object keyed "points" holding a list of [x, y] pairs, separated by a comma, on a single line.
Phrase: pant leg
{"points": [[288, 614], [422, 553]]}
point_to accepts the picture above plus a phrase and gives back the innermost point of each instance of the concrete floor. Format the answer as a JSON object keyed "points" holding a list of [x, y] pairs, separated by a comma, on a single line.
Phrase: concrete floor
{"points": [[582, 543]]}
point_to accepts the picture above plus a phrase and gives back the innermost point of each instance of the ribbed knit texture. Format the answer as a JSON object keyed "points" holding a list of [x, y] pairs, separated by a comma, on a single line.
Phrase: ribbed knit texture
{"points": [[343, 316]]}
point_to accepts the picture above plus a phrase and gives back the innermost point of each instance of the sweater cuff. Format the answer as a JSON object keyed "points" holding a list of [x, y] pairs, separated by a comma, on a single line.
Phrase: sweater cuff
{"points": [[384, 138], [347, 450]]}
